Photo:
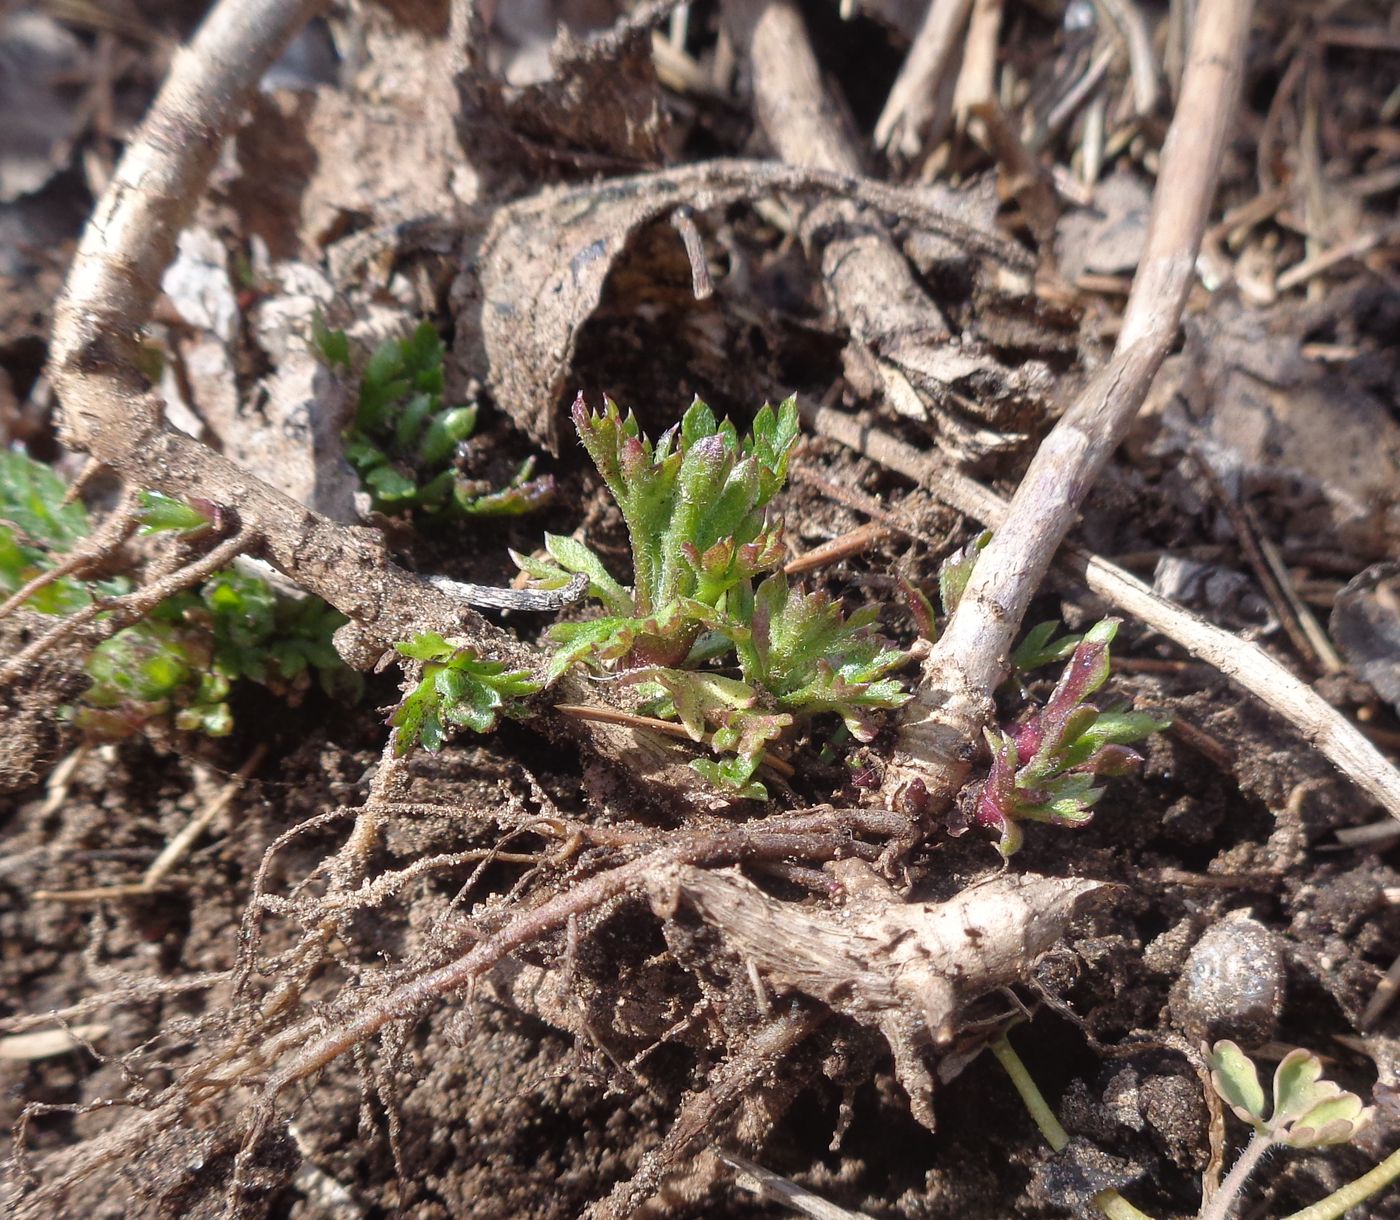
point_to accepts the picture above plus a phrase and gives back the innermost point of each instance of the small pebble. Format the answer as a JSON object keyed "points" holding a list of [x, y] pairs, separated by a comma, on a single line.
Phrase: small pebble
{"points": [[1233, 983]]}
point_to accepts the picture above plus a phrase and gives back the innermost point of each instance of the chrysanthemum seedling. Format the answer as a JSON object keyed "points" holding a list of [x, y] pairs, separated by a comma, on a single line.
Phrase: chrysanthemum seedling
{"points": [[696, 507], [404, 442], [176, 667], [1046, 767], [457, 687]]}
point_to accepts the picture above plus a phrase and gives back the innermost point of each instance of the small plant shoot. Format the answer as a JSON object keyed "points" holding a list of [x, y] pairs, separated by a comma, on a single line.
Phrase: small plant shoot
{"points": [[708, 596], [1305, 1110], [176, 667], [160, 514], [405, 443], [456, 687], [1047, 767]]}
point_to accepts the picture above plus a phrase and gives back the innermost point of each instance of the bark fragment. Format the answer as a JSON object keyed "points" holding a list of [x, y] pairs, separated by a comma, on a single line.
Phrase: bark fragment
{"points": [[904, 968]]}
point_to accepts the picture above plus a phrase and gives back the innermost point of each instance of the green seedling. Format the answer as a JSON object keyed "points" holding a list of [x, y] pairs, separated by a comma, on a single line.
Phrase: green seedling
{"points": [[1047, 767], [404, 442], [707, 588], [176, 667], [160, 513], [457, 687], [1306, 1112], [956, 570]]}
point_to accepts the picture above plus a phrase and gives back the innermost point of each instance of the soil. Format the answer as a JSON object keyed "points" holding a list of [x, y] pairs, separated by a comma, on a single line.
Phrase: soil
{"points": [[541, 1087]]}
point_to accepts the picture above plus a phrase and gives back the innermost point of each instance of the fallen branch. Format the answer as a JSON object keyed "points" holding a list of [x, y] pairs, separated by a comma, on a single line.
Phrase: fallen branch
{"points": [[953, 700], [1316, 720], [912, 108]]}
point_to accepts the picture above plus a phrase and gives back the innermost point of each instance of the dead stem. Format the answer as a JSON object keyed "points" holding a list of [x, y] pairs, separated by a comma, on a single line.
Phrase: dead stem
{"points": [[871, 287], [913, 108], [768, 1185], [1317, 721], [650, 724], [853, 542], [953, 699]]}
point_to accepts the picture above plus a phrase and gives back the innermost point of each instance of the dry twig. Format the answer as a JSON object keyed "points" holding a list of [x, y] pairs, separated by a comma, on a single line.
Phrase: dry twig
{"points": [[953, 700], [912, 106], [873, 291], [120, 524], [104, 617], [1316, 720], [769, 1185]]}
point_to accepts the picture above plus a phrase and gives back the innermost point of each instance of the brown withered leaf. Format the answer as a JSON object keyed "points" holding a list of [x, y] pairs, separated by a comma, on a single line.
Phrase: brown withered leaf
{"points": [[542, 265], [1365, 623], [598, 104]]}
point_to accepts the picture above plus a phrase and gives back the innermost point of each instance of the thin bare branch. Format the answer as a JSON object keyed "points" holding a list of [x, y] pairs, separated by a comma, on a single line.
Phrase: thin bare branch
{"points": [[912, 106], [968, 662], [1316, 720]]}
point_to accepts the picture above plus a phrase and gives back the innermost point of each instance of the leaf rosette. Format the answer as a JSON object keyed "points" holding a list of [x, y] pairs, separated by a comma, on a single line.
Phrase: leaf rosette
{"points": [[707, 589]]}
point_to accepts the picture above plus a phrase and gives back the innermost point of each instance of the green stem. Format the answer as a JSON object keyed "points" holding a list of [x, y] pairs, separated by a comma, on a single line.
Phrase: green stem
{"points": [[1222, 1203], [1109, 1202], [1353, 1192]]}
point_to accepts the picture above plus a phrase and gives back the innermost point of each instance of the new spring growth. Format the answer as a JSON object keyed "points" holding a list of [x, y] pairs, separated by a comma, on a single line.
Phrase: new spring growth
{"points": [[405, 443], [177, 667], [1046, 767], [456, 687], [708, 594], [1306, 1112]]}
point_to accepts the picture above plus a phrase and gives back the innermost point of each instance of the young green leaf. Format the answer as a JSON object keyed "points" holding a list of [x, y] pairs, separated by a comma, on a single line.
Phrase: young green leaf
{"points": [[332, 344], [695, 504], [404, 442], [956, 571], [1308, 1111], [159, 513], [457, 687], [1236, 1080], [1046, 768], [1039, 647], [32, 501]]}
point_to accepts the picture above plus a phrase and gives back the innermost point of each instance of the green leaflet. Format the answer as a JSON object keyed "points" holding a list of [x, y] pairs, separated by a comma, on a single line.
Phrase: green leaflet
{"points": [[1047, 767], [1307, 1111], [403, 440], [175, 668], [457, 687]]}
